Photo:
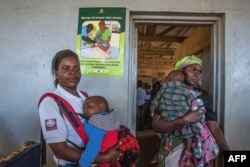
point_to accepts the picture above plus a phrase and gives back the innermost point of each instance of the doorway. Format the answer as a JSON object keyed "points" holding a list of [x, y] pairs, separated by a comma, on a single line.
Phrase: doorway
{"points": [[141, 55]]}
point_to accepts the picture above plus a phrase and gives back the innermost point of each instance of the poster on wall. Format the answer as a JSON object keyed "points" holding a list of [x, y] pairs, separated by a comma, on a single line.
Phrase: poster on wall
{"points": [[100, 41]]}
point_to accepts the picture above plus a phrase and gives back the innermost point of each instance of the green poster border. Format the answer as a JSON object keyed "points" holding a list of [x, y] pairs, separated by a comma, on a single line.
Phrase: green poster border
{"points": [[109, 66]]}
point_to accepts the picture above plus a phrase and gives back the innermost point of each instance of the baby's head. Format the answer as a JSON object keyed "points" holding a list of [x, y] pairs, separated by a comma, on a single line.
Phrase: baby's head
{"points": [[175, 75], [94, 105], [90, 27]]}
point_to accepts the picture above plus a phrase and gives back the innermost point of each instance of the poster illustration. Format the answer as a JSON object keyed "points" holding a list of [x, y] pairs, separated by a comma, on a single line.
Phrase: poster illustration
{"points": [[100, 41]]}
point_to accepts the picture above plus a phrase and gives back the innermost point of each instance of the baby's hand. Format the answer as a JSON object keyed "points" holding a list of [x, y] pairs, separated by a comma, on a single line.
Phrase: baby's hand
{"points": [[152, 114]]}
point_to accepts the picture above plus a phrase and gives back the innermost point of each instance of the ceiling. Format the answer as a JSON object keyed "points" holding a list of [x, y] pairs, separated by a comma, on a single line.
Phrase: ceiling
{"points": [[156, 46]]}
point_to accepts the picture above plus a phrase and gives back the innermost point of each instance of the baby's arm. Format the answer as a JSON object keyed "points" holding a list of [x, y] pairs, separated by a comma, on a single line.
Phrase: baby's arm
{"points": [[93, 146]]}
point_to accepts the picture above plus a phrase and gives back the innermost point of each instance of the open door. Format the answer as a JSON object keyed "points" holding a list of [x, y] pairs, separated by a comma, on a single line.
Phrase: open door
{"points": [[212, 55]]}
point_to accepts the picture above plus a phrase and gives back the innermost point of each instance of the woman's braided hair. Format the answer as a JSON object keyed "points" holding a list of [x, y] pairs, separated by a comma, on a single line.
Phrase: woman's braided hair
{"points": [[59, 56]]}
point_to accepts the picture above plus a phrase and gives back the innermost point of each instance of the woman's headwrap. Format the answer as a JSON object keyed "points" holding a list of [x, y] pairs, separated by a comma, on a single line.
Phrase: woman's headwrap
{"points": [[188, 60]]}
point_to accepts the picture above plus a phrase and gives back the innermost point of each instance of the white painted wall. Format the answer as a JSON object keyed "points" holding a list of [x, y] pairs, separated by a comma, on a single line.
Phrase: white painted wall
{"points": [[32, 31]]}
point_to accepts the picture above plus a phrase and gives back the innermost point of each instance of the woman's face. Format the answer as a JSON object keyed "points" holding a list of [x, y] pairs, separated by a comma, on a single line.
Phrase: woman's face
{"points": [[192, 75], [68, 73], [102, 26]]}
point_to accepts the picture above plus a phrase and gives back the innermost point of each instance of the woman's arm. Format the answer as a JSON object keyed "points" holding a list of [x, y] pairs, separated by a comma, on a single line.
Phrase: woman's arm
{"points": [[65, 152], [218, 135], [211, 122], [164, 126]]}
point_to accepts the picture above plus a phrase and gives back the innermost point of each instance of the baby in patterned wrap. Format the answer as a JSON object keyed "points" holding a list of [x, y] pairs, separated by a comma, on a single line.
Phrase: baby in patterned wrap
{"points": [[101, 127], [177, 100]]}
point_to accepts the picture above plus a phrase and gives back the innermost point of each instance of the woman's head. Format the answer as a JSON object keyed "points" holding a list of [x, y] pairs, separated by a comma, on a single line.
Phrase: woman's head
{"points": [[102, 25], [65, 68], [191, 67], [139, 83]]}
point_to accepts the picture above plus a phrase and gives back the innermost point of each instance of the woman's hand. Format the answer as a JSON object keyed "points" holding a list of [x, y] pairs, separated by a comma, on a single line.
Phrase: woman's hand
{"points": [[112, 155], [115, 153], [192, 117]]}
